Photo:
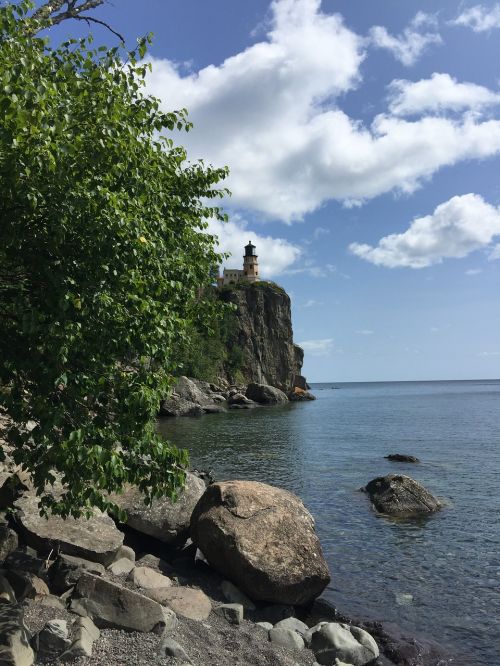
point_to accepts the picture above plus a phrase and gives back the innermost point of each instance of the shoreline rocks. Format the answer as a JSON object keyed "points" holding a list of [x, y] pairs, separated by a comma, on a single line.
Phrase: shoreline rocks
{"points": [[401, 496], [263, 539]]}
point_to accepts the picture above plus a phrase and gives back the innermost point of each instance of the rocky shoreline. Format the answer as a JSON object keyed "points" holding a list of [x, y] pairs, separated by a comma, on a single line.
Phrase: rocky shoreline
{"points": [[230, 574], [194, 397]]}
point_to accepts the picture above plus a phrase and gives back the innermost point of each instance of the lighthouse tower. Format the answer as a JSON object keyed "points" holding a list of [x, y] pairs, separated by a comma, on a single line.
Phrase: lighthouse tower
{"points": [[250, 263]]}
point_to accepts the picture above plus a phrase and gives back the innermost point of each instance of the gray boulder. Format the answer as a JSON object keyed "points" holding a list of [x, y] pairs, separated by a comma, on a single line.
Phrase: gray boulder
{"points": [[67, 570], [235, 596], [149, 579], [122, 566], [286, 638], [293, 624], [8, 541], [112, 606], [400, 495], [262, 538], [335, 642], [52, 640], [165, 520], [233, 613], [85, 633], [239, 399], [15, 648], [96, 539], [184, 601], [266, 395]]}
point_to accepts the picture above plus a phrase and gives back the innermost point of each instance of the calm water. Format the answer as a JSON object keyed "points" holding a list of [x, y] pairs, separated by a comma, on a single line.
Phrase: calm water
{"points": [[439, 577]]}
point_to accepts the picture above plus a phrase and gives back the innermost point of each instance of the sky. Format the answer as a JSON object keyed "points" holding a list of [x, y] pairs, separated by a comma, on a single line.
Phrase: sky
{"points": [[363, 141]]}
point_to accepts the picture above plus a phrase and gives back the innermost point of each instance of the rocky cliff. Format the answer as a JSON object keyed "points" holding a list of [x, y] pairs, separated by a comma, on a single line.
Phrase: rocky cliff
{"points": [[264, 335]]}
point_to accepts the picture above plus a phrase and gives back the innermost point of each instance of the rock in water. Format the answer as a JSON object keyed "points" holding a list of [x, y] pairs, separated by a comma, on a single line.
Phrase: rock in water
{"points": [[96, 539], [266, 395], [263, 539], [165, 520], [402, 457], [400, 495]]}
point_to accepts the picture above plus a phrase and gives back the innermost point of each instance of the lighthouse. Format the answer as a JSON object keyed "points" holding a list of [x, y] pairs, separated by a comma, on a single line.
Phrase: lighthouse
{"points": [[250, 263]]}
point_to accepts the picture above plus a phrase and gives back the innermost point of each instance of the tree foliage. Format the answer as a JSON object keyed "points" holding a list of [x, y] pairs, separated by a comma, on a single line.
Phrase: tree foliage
{"points": [[101, 264]]}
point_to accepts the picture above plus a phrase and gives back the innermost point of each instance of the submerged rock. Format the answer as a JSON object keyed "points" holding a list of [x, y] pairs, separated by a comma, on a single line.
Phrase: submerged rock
{"points": [[400, 495], [263, 539], [402, 457]]}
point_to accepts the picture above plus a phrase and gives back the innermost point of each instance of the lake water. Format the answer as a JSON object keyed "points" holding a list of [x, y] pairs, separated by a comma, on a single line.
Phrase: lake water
{"points": [[438, 577]]}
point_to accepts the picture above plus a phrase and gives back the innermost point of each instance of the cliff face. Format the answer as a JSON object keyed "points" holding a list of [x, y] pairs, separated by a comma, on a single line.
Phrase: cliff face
{"points": [[264, 335]]}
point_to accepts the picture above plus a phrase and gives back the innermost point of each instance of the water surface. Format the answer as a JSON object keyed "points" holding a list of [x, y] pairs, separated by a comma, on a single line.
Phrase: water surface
{"points": [[438, 577]]}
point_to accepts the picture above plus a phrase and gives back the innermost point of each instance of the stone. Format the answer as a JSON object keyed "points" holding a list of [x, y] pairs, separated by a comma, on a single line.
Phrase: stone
{"points": [[400, 495], [85, 633], [25, 584], [164, 520], [266, 395], [116, 607], [149, 579], [286, 638], [299, 395], [15, 648], [121, 566], [177, 406], [235, 596], [293, 624], [96, 539], [125, 551], [233, 613], [6, 591], [262, 538], [50, 601], [335, 641], [26, 561], [310, 632], [239, 399], [185, 601], [155, 562], [402, 457], [67, 569], [265, 625], [8, 541], [52, 640], [172, 648]]}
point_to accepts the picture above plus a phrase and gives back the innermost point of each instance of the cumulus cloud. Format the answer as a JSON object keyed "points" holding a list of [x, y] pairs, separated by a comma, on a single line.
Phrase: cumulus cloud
{"points": [[271, 113], [412, 42], [317, 347], [479, 18], [275, 254], [439, 93], [455, 229]]}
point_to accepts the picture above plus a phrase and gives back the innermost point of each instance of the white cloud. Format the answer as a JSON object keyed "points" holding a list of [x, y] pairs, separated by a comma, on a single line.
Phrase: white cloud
{"points": [[364, 331], [319, 232], [317, 347], [473, 271], [439, 93], [275, 254], [489, 353], [411, 44], [270, 113], [479, 18], [456, 228], [311, 303]]}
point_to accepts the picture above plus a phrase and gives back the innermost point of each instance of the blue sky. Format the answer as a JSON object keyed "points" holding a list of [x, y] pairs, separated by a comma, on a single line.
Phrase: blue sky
{"points": [[363, 140]]}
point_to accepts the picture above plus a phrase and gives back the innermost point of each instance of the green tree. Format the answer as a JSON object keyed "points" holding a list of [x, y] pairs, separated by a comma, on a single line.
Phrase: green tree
{"points": [[102, 261]]}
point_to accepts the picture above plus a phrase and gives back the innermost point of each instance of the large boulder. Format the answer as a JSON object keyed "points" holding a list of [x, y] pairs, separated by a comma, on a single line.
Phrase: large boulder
{"points": [[266, 395], [96, 539], [110, 605], [400, 495], [15, 648], [263, 539], [165, 520]]}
